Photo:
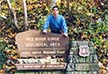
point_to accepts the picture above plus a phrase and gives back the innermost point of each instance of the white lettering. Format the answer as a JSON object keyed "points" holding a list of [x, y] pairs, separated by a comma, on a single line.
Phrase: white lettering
{"points": [[35, 38], [53, 39], [29, 39], [36, 45], [54, 44], [40, 39]]}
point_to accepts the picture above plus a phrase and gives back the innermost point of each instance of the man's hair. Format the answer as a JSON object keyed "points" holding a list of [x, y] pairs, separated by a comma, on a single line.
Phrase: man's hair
{"points": [[55, 7]]}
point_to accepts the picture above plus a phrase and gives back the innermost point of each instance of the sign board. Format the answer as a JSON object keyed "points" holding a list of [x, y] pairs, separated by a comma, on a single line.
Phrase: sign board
{"points": [[32, 42]]}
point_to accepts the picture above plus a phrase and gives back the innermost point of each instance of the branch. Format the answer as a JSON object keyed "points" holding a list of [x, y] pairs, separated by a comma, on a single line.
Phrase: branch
{"points": [[12, 11]]}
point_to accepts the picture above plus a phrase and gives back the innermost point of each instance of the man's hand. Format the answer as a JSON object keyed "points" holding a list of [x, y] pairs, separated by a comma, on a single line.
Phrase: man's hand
{"points": [[44, 31], [65, 35]]}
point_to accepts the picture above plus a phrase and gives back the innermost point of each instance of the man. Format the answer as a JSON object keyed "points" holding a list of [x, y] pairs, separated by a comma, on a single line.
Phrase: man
{"points": [[56, 23]]}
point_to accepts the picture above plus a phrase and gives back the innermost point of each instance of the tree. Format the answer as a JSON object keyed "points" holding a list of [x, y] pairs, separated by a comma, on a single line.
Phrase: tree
{"points": [[25, 14], [13, 13]]}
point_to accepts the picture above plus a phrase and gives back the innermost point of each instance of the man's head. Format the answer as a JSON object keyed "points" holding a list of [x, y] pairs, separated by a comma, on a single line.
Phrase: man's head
{"points": [[55, 10]]}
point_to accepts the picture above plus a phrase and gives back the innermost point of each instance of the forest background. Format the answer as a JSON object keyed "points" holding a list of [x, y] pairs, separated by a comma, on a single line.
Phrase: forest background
{"points": [[86, 20]]}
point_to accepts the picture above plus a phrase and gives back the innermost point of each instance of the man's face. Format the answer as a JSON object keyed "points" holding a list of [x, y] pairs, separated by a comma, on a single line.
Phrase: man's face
{"points": [[55, 11]]}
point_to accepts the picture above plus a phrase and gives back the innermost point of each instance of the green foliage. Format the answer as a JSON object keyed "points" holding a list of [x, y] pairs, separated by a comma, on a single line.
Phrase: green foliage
{"points": [[41, 22], [3, 45], [86, 19]]}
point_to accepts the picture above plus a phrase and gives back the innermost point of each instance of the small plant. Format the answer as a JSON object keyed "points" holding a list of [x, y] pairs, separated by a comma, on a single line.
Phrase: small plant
{"points": [[3, 45], [8, 57]]}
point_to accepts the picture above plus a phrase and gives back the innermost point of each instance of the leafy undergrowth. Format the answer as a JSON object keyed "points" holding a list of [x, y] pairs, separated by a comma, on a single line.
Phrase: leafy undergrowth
{"points": [[86, 20]]}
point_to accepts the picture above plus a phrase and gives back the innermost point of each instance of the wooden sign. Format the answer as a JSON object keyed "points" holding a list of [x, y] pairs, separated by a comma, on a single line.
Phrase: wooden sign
{"points": [[32, 42]]}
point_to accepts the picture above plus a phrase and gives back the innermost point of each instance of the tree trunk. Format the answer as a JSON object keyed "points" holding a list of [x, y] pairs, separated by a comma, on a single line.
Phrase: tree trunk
{"points": [[13, 13], [25, 14], [0, 6]]}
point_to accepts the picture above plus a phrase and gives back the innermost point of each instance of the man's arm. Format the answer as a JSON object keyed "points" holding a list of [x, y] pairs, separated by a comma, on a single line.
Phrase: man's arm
{"points": [[46, 25], [65, 28]]}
